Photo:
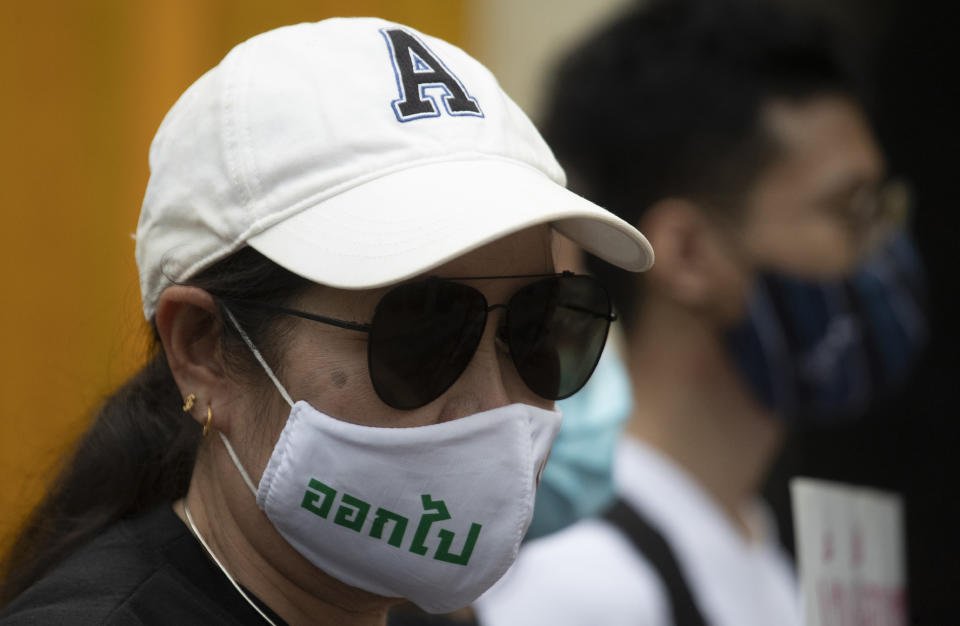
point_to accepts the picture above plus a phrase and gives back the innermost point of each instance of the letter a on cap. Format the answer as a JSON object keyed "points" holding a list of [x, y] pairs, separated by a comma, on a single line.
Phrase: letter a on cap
{"points": [[418, 69]]}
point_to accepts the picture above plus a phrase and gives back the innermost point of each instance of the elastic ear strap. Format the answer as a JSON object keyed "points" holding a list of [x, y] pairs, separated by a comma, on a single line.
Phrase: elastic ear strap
{"points": [[236, 461], [259, 357]]}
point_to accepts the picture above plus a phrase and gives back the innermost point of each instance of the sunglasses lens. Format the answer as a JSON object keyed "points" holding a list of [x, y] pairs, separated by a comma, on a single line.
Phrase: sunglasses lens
{"points": [[422, 337], [556, 329]]}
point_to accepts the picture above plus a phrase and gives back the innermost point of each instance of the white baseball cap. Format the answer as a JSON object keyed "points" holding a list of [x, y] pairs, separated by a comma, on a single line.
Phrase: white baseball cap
{"points": [[356, 153]]}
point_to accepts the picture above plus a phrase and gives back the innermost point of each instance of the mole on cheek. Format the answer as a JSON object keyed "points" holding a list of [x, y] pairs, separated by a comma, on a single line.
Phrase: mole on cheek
{"points": [[339, 379]]}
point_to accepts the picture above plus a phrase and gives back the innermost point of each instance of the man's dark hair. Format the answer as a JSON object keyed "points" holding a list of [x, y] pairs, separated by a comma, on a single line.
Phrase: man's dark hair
{"points": [[666, 102]]}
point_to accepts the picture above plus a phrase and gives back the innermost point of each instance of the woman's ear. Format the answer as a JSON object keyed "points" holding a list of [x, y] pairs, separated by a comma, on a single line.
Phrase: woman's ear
{"points": [[695, 265], [190, 330]]}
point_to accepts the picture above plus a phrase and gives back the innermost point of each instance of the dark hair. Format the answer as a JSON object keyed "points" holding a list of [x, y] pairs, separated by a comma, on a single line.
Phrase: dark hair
{"points": [[140, 449], [665, 101]]}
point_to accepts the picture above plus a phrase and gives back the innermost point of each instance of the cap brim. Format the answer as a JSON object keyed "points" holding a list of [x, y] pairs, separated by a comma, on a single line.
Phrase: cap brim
{"points": [[410, 221]]}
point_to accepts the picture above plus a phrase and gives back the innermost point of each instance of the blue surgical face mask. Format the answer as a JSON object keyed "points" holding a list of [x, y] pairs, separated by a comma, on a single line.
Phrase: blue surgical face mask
{"points": [[828, 351], [578, 480]]}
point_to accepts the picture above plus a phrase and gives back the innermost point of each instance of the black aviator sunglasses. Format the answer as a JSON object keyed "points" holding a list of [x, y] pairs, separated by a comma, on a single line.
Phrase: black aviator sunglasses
{"points": [[424, 333]]}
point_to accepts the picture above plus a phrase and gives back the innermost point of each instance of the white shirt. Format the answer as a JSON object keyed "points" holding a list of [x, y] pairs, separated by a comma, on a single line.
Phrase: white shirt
{"points": [[591, 575]]}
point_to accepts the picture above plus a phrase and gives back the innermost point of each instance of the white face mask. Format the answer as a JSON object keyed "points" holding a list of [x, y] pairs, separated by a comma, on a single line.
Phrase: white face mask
{"points": [[434, 514]]}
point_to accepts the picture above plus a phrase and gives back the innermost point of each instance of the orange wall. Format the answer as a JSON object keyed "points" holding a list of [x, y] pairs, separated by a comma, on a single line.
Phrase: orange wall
{"points": [[83, 86]]}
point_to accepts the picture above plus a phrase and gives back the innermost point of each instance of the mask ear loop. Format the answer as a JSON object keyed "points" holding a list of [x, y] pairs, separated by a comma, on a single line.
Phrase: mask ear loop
{"points": [[276, 382], [259, 357]]}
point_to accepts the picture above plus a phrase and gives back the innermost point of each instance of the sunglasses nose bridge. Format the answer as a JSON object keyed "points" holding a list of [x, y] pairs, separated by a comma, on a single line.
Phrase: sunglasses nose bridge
{"points": [[501, 322]]}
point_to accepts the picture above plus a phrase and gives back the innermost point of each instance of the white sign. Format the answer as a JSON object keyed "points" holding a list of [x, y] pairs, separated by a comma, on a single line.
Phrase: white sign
{"points": [[850, 554]]}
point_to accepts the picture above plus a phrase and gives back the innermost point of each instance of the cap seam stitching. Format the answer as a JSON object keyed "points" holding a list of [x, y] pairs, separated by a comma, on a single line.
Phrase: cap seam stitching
{"points": [[254, 186], [229, 128]]}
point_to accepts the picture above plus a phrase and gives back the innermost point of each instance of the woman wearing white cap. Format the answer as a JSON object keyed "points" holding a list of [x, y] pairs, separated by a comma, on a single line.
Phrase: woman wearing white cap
{"points": [[346, 252]]}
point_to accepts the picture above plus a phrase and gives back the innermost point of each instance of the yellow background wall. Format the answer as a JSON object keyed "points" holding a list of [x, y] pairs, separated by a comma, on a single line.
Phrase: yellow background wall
{"points": [[83, 86]]}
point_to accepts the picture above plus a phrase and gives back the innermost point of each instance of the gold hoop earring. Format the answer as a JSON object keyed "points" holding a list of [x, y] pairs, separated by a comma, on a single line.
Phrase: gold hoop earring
{"points": [[188, 403], [206, 426]]}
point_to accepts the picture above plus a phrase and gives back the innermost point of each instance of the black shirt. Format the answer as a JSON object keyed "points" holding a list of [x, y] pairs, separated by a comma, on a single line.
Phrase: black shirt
{"points": [[144, 571]]}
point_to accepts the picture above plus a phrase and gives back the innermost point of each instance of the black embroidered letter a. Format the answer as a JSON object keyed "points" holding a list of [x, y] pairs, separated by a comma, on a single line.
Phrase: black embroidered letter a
{"points": [[417, 70]]}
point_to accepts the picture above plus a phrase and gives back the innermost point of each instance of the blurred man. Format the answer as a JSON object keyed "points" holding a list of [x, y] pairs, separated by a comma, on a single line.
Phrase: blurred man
{"points": [[783, 291]]}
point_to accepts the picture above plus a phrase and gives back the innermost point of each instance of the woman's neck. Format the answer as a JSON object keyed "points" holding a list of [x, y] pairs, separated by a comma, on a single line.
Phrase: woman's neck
{"points": [[255, 555]]}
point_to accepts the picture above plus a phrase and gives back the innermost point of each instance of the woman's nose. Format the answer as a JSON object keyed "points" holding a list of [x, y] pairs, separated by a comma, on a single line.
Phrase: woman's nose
{"points": [[483, 384]]}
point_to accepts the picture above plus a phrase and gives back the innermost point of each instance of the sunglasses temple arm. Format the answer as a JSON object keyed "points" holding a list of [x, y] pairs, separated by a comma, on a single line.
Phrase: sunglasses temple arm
{"points": [[332, 321]]}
